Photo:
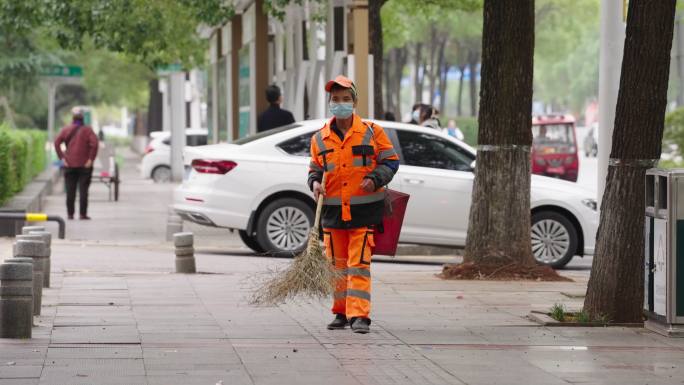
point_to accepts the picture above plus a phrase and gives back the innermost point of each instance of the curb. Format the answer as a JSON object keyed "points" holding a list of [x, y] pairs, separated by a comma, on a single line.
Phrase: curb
{"points": [[545, 320], [30, 199]]}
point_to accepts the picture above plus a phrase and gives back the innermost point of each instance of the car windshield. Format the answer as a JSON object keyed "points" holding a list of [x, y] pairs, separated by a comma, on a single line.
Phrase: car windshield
{"points": [[558, 137], [251, 138]]}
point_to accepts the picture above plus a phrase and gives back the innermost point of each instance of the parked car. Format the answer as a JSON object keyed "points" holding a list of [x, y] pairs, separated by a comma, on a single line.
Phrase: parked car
{"points": [[156, 163], [554, 147], [256, 185]]}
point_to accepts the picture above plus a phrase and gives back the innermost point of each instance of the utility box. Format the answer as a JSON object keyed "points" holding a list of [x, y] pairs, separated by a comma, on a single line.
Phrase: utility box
{"points": [[664, 252]]}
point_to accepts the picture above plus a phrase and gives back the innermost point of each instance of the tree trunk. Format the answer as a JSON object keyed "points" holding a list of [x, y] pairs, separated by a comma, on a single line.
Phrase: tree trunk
{"points": [[443, 87], [387, 79], [376, 49], [439, 72], [433, 70], [459, 105], [499, 224], [402, 58], [472, 65], [418, 84], [616, 283]]}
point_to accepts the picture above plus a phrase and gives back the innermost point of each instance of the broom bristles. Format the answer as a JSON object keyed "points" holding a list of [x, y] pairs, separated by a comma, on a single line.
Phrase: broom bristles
{"points": [[309, 275]]}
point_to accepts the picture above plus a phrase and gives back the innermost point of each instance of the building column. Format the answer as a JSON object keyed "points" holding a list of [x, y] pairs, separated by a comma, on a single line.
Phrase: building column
{"points": [[234, 77], [359, 48]]}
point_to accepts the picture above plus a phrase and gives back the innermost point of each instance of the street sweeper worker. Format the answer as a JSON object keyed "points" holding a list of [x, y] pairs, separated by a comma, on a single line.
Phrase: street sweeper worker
{"points": [[359, 161]]}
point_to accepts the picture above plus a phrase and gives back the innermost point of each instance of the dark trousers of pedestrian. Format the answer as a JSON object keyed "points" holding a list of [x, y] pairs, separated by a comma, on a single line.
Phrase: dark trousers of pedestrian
{"points": [[77, 178]]}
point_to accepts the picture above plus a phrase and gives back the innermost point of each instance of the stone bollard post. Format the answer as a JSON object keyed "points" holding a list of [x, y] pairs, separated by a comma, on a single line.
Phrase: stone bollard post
{"points": [[27, 261], [27, 229], [35, 250], [16, 315], [185, 253], [47, 268], [174, 224]]}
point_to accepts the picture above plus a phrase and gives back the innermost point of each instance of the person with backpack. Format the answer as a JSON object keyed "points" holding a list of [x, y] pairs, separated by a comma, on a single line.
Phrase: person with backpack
{"points": [[81, 149]]}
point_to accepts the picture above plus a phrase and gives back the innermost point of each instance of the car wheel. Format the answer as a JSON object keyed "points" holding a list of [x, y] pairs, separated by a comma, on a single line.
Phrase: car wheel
{"points": [[161, 174], [283, 226], [250, 242], [554, 239]]}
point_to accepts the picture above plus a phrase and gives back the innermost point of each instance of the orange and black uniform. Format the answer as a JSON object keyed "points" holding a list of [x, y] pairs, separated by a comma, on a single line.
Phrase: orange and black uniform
{"points": [[350, 213]]}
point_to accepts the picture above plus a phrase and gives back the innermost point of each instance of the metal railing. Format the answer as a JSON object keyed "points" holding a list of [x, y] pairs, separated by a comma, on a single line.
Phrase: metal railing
{"points": [[37, 217]]}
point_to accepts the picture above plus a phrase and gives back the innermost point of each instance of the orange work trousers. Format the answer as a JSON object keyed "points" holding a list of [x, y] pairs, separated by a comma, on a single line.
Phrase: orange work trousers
{"points": [[350, 250]]}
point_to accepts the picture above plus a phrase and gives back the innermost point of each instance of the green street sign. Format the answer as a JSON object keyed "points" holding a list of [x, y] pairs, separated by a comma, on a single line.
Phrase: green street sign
{"points": [[169, 69], [62, 71]]}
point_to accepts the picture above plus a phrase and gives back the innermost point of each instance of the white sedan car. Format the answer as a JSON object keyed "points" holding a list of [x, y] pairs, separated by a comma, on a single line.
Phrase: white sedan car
{"points": [[156, 163], [257, 185]]}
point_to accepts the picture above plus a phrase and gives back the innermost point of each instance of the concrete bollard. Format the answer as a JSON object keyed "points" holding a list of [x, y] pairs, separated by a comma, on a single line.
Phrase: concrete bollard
{"points": [[47, 268], [16, 315], [27, 261], [35, 250], [185, 253], [27, 229]]}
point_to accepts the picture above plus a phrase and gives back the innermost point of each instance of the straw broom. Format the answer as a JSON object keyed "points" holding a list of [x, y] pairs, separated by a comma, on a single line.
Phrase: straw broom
{"points": [[310, 274]]}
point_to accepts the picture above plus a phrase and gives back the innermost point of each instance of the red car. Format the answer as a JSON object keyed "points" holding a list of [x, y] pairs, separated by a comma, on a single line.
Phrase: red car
{"points": [[554, 147]]}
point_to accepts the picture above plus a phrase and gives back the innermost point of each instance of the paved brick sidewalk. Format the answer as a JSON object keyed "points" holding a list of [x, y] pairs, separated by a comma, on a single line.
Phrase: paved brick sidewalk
{"points": [[116, 315]]}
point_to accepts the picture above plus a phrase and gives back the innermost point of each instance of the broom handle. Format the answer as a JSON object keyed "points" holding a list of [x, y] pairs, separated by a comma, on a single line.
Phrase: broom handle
{"points": [[319, 206]]}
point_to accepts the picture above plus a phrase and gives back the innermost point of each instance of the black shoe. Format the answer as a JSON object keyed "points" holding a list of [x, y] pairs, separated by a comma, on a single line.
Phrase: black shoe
{"points": [[360, 325], [71, 217], [340, 322]]}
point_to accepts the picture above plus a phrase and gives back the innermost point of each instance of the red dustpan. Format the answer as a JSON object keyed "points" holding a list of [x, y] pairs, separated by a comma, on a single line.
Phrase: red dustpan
{"points": [[387, 235]]}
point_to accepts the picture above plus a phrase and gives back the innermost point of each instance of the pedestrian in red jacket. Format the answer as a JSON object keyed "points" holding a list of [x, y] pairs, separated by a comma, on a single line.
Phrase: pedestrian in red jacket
{"points": [[81, 149]]}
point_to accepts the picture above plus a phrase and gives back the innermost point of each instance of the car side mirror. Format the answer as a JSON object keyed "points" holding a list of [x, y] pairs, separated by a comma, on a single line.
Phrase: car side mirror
{"points": [[472, 165]]}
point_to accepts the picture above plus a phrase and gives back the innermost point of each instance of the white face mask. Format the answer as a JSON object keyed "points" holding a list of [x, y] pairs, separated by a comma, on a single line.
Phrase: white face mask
{"points": [[416, 115], [341, 110]]}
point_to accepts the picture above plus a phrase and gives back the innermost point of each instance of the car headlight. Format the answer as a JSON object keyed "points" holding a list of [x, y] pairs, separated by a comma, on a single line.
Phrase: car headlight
{"points": [[591, 203]]}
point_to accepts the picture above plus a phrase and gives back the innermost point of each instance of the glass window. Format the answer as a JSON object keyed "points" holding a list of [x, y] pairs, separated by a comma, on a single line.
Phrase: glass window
{"points": [[299, 146], [196, 140], [425, 150], [553, 134], [264, 134]]}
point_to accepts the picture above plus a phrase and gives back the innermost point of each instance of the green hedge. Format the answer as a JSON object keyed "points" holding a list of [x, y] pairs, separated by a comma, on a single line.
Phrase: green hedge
{"points": [[22, 157], [468, 126]]}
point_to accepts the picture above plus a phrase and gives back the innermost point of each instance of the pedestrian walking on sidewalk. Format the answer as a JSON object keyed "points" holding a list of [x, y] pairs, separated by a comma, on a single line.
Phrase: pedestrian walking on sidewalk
{"points": [[274, 116], [81, 149], [359, 161]]}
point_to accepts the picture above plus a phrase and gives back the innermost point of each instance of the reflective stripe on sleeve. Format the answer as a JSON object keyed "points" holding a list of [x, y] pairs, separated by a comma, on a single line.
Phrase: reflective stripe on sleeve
{"points": [[387, 154]]}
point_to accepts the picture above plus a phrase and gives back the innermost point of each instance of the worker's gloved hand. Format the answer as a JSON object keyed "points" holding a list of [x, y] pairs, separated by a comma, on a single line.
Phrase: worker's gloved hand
{"points": [[317, 189], [368, 185]]}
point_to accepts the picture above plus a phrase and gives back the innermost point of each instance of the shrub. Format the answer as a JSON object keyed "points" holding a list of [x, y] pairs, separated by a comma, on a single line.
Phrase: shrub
{"points": [[674, 130], [22, 157], [468, 126]]}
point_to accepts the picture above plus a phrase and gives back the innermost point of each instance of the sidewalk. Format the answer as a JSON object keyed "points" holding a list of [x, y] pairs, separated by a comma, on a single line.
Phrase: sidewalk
{"points": [[116, 314]]}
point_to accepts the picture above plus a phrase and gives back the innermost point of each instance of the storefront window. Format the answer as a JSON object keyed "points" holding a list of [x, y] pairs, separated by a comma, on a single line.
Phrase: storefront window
{"points": [[244, 92]]}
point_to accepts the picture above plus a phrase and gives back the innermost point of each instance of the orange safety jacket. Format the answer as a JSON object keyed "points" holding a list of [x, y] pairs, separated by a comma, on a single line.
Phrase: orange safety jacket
{"points": [[363, 153]]}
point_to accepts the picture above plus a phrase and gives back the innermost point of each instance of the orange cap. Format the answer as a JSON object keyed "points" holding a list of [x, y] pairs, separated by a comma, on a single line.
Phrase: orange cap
{"points": [[342, 81]]}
